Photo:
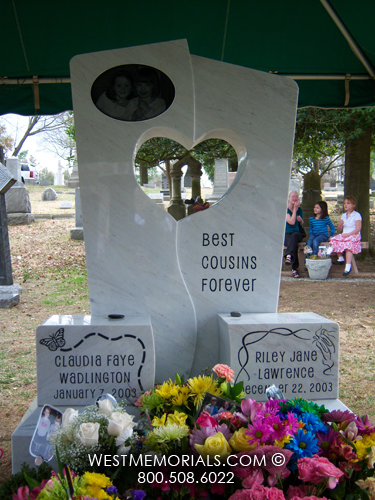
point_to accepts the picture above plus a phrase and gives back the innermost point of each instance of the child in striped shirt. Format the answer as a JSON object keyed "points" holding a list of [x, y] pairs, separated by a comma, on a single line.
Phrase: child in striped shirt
{"points": [[319, 224]]}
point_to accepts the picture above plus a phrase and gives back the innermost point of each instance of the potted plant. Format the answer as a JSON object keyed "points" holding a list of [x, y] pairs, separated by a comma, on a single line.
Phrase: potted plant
{"points": [[318, 267]]}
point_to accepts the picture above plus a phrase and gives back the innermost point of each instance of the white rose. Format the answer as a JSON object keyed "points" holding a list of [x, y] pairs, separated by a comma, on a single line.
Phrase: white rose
{"points": [[105, 406], [68, 417], [88, 434], [119, 422]]}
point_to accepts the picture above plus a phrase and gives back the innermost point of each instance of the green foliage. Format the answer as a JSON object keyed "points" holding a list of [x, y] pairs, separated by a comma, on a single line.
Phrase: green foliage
{"points": [[23, 154], [11, 485], [321, 135], [45, 174], [158, 150]]}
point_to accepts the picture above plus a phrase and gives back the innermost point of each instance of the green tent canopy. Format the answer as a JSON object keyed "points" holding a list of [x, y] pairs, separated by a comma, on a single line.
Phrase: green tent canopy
{"points": [[328, 47]]}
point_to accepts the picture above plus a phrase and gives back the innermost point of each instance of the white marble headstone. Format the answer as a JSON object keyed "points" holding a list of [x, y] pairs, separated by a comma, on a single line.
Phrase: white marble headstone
{"points": [[298, 352], [221, 180], [139, 259], [80, 358]]}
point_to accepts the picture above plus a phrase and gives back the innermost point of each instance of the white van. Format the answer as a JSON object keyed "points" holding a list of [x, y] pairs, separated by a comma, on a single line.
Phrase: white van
{"points": [[29, 175]]}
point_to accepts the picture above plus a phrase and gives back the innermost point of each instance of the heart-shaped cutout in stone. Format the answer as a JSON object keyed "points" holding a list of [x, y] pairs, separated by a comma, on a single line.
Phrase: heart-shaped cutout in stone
{"points": [[188, 181]]}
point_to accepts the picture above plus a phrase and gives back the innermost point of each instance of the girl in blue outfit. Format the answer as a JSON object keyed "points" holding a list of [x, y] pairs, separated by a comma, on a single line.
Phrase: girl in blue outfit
{"points": [[319, 225]]}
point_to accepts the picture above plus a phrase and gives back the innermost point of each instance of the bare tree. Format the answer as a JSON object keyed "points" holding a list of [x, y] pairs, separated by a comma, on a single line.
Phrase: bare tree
{"points": [[49, 125]]}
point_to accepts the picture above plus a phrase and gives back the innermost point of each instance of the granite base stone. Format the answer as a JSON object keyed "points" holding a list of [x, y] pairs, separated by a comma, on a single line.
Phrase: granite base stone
{"points": [[77, 233], [88, 356], [9, 296], [298, 352], [20, 219]]}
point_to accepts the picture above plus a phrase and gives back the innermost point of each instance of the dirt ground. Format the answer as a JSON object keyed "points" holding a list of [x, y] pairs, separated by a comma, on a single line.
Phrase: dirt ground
{"points": [[42, 258]]}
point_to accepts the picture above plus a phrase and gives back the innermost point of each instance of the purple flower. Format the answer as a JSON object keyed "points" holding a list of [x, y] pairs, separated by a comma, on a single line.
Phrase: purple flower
{"points": [[138, 494], [338, 416], [199, 436], [111, 490]]}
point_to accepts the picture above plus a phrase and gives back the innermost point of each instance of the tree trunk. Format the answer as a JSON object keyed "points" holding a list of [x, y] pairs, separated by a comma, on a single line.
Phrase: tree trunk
{"points": [[143, 175], [32, 122], [357, 177], [169, 178]]}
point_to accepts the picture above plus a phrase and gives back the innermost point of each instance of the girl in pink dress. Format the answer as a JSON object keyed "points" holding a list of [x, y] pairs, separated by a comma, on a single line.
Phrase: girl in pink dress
{"points": [[350, 239]]}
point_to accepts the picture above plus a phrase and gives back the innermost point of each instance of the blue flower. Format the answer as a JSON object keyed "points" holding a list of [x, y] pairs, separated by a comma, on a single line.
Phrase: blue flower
{"points": [[313, 423], [111, 490], [138, 494], [303, 445]]}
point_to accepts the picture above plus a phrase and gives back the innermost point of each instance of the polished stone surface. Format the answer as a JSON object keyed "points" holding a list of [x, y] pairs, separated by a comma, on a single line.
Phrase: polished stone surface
{"points": [[130, 241], [139, 259], [230, 254], [86, 356], [298, 352]]}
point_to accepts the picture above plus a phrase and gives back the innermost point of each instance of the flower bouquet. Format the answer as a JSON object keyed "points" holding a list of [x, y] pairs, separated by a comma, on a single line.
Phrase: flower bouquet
{"points": [[234, 447]]}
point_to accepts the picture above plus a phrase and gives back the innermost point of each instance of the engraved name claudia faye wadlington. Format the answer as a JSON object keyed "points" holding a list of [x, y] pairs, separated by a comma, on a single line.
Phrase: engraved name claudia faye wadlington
{"points": [[118, 374], [227, 263]]}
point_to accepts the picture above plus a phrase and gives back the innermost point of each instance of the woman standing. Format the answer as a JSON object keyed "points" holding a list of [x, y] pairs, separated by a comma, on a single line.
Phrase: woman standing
{"points": [[294, 217]]}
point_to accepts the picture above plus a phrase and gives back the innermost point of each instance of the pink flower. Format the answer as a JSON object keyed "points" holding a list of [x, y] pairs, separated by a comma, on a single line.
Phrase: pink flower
{"points": [[224, 415], [250, 408], [317, 468], [338, 416], [205, 419], [291, 423], [218, 488], [301, 491], [23, 492], [278, 430], [309, 498], [275, 494], [254, 478], [224, 371], [259, 432]]}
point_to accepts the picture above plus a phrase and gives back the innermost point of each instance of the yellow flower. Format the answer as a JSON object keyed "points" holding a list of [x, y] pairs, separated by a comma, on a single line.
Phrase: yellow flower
{"points": [[159, 422], [167, 390], [177, 418], [180, 400], [199, 386], [214, 445], [240, 441], [96, 484], [283, 441]]}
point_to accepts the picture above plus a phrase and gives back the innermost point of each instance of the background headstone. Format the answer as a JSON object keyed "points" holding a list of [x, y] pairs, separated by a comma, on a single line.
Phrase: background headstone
{"points": [[45, 182], [164, 185], [73, 182], [49, 194], [77, 232], [66, 204], [221, 180], [14, 167], [59, 177], [9, 293]]}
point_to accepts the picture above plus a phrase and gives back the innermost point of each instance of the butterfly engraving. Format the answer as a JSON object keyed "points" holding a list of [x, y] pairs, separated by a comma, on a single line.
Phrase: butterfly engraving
{"points": [[55, 340]]}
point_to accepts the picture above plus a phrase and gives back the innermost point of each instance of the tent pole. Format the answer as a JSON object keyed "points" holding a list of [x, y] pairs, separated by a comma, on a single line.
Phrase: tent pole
{"points": [[351, 41]]}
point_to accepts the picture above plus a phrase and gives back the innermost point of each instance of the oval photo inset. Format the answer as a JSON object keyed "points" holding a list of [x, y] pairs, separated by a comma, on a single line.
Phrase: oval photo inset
{"points": [[133, 92]]}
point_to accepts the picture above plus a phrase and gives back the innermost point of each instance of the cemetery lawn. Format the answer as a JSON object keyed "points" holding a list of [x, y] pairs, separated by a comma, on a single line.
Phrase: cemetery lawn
{"points": [[51, 269]]}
